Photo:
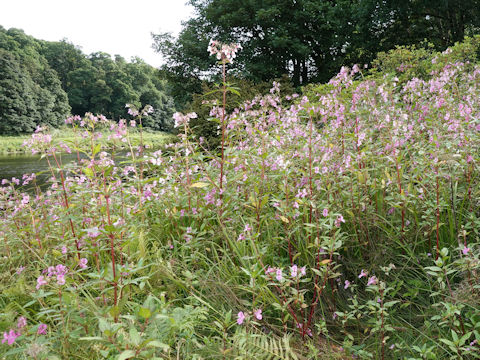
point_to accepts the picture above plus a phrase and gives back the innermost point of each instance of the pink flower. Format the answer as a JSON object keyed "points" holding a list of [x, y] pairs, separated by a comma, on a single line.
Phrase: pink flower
{"points": [[40, 281], [223, 51], [42, 329], [61, 269], [294, 271], [465, 250], [325, 212], [339, 220], [279, 276], [20, 270], [372, 280], [21, 322], [303, 271], [93, 233], [247, 228], [347, 284], [241, 318], [64, 250], [61, 279], [10, 337], [83, 263], [258, 314], [363, 273], [269, 270]]}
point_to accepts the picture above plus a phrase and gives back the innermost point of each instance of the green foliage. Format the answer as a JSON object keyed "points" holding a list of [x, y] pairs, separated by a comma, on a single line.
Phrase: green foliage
{"points": [[44, 81], [407, 62], [341, 224], [30, 92], [309, 40]]}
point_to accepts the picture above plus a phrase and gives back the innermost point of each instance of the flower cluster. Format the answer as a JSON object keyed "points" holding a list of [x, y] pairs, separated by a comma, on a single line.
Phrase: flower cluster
{"points": [[181, 119], [295, 272], [223, 51], [241, 316], [58, 272], [11, 335]]}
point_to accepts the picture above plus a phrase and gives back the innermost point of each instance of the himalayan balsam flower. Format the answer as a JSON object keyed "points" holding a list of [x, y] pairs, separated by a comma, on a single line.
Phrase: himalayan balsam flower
{"points": [[279, 276], [42, 329], [83, 263], [223, 51], [303, 271], [21, 322], [363, 273], [258, 314], [181, 119], [10, 337], [240, 318], [93, 232], [339, 220], [372, 280], [347, 284], [294, 271], [325, 212], [465, 250], [41, 281], [61, 279]]}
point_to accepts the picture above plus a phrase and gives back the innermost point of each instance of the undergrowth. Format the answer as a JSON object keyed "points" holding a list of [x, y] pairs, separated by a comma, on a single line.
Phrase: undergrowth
{"points": [[336, 225]]}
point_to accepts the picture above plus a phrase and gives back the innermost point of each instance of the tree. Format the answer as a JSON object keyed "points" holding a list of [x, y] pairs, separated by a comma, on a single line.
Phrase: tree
{"points": [[18, 111], [307, 39], [38, 91]]}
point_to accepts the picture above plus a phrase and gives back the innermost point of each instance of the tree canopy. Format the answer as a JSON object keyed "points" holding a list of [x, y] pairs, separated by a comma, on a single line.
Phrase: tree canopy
{"points": [[30, 91], [42, 82], [307, 39]]}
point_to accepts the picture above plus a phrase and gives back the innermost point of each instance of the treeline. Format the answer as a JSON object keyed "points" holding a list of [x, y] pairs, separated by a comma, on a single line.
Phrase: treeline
{"points": [[309, 40], [43, 82]]}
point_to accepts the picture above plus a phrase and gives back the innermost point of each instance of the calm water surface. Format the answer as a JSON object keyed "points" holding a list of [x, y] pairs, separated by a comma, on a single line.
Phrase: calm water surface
{"points": [[18, 164]]}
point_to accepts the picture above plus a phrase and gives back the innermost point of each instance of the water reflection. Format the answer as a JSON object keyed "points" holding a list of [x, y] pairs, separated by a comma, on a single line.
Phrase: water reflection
{"points": [[19, 164]]}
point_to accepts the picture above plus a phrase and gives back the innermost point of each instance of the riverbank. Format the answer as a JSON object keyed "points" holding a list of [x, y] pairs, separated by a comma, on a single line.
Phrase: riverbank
{"points": [[14, 144]]}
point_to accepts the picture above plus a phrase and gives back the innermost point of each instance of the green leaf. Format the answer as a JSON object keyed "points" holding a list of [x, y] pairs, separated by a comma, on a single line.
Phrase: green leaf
{"points": [[464, 338], [114, 311], [199, 185], [144, 313], [88, 172], [135, 338], [158, 344], [91, 338], [126, 355], [96, 149]]}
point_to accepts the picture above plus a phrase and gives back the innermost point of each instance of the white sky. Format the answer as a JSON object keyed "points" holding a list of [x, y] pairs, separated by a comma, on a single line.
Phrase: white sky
{"points": [[113, 26]]}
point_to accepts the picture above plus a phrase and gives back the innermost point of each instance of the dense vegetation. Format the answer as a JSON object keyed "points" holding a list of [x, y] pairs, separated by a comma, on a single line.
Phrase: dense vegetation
{"points": [[343, 222], [309, 40], [43, 82]]}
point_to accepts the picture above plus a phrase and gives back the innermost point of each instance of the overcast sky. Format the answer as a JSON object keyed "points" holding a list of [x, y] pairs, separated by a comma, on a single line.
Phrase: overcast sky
{"points": [[113, 26]]}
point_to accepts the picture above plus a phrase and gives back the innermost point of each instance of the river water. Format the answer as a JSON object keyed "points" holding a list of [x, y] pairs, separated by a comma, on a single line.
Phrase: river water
{"points": [[16, 165]]}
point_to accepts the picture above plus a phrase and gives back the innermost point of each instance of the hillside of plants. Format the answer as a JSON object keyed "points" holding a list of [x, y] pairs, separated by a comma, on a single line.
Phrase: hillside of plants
{"points": [[339, 223]]}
